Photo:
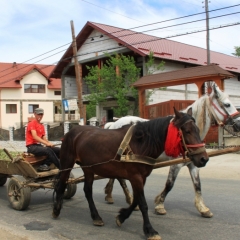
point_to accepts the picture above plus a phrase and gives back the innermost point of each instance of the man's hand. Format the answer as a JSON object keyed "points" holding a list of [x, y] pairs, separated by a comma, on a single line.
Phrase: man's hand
{"points": [[49, 144]]}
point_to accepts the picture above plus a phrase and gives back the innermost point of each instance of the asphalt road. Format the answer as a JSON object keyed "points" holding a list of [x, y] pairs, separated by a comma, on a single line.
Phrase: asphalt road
{"points": [[221, 192]]}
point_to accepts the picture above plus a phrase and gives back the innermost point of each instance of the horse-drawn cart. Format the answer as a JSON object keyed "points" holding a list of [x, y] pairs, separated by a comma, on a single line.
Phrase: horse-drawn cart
{"points": [[24, 179]]}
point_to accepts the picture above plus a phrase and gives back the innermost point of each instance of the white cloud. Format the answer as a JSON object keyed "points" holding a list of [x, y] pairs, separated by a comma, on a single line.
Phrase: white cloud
{"points": [[30, 28]]}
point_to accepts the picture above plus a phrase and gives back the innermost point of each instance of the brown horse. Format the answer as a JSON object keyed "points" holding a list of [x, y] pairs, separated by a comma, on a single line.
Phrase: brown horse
{"points": [[97, 151]]}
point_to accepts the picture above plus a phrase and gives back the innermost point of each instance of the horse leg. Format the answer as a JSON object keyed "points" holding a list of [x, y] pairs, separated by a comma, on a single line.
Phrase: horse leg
{"points": [[129, 198], [199, 203], [109, 188], [108, 191], [88, 182], [139, 199], [59, 190], [159, 200]]}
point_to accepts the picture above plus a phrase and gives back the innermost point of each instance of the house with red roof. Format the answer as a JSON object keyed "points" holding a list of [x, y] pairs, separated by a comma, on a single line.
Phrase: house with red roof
{"points": [[24, 87], [95, 39]]}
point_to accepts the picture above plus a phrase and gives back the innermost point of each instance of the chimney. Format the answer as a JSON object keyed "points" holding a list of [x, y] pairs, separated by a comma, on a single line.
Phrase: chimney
{"points": [[14, 64]]}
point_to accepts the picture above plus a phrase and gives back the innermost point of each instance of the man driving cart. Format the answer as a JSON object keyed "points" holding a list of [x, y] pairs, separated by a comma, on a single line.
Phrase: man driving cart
{"points": [[37, 143]]}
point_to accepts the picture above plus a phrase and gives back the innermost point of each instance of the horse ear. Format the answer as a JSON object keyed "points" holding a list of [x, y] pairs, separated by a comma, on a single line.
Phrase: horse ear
{"points": [[189, 111], [177, 114]]}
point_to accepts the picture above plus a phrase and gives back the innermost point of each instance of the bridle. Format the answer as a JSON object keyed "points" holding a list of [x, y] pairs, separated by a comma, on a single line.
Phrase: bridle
{"points": [[225, 114], [228, 119], [187, 148]]}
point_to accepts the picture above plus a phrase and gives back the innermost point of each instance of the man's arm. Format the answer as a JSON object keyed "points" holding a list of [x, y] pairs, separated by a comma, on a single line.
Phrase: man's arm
{"points": [[41, 140]]}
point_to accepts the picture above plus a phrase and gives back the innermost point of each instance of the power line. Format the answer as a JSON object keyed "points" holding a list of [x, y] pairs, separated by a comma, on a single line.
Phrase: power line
{"points": [[129, 34], [126, 45], [186, 16], [111, 11], [39, 56]]}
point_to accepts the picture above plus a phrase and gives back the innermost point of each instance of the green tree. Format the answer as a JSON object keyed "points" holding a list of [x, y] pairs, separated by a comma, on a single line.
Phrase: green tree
{"points": [[106, 82], [237, 51], [151, 67]]}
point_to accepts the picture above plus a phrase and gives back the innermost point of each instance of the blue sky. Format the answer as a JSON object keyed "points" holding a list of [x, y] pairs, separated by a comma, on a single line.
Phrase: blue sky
{"points": [[29, 28]]}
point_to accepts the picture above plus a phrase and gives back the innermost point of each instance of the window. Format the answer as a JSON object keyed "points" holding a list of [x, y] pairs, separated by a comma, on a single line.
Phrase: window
{"points": [[34, 88], [32, 107], [57, 92], [11, 108]]}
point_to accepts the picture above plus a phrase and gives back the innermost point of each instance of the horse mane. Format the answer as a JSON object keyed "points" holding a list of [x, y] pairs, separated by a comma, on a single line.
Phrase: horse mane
{"points": [[200, 110], [150, 135]]}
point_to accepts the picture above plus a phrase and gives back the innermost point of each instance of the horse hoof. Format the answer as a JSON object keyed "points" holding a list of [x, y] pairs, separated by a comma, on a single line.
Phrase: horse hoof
{"points": [[136, 208], [54, 215], [155, 237], [98, 223], [207, 214], [109, 200], [118, 221], [160, 211]]}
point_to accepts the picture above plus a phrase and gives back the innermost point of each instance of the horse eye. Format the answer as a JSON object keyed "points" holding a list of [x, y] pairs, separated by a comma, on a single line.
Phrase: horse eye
{"points": [[226, 104]]}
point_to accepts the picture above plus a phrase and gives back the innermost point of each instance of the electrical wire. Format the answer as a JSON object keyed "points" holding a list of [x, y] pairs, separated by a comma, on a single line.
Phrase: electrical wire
{"points": [[186, 16], [126, 45]]}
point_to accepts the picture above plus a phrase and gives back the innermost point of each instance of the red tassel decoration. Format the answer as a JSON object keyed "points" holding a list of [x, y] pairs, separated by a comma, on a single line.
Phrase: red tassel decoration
{"points": [[173, 146]]}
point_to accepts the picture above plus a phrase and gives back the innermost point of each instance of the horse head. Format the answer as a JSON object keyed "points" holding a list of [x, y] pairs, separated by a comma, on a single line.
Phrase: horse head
{"points": [[224, 110], [191, 141]]}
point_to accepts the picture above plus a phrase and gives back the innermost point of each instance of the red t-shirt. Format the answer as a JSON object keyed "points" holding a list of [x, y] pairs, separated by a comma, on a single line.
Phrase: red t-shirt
{"points": [[38, 127]]}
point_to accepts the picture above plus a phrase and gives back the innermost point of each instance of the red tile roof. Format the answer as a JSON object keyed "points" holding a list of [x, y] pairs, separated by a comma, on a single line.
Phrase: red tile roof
{"points": [[143, 43], [211, 70], [12, 73]]}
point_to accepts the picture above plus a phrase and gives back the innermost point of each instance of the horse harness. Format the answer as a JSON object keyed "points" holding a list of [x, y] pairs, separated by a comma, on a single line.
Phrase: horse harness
{"points": [[129, 156]]}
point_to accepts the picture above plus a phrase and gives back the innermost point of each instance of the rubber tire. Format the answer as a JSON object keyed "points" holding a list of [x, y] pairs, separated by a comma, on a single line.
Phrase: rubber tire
{"points": [[21, 201], [3, 180], [70, 189]]}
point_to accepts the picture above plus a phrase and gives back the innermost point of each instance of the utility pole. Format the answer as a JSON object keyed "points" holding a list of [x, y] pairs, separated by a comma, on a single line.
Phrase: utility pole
{"points": [[78, 72], [207, 27]]}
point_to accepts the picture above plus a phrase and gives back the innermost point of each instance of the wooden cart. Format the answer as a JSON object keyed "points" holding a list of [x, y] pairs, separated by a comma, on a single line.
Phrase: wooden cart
{"points": [[24, 179]]}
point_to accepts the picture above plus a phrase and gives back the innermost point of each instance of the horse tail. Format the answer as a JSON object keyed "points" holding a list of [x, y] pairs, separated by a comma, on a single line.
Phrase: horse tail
{"points": [[55, 185]]}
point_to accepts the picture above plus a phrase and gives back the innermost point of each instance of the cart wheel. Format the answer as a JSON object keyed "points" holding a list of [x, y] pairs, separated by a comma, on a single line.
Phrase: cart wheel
{"points": [[3, 180], [71, 188], [18, 196]]}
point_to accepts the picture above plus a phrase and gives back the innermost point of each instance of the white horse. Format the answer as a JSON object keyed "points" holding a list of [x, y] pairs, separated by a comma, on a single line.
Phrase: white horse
{"points": [[214, 107]]}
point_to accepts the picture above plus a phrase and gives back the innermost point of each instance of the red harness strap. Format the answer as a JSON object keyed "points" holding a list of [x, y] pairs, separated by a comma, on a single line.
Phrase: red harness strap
{"points": [[175, 142], [173, 146]]}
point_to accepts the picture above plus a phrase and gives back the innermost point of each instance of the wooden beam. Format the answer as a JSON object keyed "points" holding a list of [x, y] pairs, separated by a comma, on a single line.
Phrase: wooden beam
{"points": [[181, 160]]}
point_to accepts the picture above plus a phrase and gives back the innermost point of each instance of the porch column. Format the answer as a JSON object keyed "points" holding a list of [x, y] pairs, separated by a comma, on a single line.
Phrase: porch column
{"points": [[142, 99], [46, 129], [66, 127]]}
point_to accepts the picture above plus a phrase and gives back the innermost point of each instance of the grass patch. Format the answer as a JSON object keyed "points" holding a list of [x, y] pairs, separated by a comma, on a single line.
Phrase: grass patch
{"points": [[4, 156]]}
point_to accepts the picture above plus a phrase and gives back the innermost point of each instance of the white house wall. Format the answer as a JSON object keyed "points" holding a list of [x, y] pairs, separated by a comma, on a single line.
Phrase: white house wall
{"points": [[97, 47], [70, 88], [180, 92], [21, 99], [232, 87]]}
